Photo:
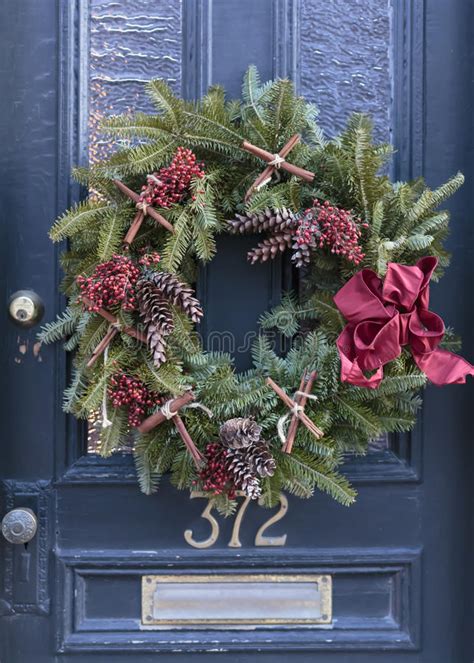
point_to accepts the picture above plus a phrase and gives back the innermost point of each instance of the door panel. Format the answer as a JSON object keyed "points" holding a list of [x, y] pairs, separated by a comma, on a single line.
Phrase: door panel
{"points": [[399, 557]]}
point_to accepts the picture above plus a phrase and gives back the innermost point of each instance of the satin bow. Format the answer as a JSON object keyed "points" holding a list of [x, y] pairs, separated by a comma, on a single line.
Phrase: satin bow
{"points": [[383, 316]]}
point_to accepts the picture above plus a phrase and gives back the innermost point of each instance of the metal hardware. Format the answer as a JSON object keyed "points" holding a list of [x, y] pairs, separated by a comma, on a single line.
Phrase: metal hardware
{"points": [[26, 308], [235, 542], [236, 600], [19, 525]]}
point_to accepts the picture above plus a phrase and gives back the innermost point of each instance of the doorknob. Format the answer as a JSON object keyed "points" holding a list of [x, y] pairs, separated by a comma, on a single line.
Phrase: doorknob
{"points": [[26, 308], [19, 525]]}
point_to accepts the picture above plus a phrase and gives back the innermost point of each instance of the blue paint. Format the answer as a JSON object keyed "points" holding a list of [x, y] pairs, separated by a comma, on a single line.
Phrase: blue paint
{"points": [[400, 556]]}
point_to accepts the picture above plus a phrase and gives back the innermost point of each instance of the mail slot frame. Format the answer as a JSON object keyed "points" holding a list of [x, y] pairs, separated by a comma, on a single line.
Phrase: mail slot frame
{"points": [[150, 583]]}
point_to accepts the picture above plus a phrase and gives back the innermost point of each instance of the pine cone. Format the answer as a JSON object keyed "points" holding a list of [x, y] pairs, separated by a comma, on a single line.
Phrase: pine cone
{"points": [[178, 293], [239, 432], [260, 459], [257, 222], [301, 254], [270, 247], [244, 478], [157, 317]]}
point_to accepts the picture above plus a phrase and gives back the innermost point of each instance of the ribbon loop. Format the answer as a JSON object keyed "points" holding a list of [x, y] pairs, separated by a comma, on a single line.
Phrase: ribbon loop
{"points": [[382, 317]]}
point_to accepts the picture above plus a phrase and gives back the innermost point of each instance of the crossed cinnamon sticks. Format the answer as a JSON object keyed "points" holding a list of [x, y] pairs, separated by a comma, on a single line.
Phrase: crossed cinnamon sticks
{"points": [[275, 161], [170, 411], [297, 407], [143, 210], [114, 328]]}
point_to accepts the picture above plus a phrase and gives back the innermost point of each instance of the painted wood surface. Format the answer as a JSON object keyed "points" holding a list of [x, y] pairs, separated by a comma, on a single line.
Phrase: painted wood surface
{"points": [[400, 558]]}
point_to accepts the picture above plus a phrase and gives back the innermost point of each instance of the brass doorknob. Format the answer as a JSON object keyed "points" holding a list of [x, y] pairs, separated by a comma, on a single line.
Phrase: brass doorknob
{"points": [[19, 525]]}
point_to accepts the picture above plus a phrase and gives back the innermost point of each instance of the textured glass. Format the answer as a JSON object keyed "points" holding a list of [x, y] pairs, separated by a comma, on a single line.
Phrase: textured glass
{"points": [[131, 41], [345, 60]]}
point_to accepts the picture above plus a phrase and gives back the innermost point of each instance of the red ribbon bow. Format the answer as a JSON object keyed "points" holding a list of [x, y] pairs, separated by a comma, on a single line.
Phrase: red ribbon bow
{"points": [[383, 316]]}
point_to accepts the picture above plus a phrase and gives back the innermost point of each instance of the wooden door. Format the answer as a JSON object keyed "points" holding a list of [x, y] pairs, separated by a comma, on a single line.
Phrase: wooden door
{"points": [[400, 558]]}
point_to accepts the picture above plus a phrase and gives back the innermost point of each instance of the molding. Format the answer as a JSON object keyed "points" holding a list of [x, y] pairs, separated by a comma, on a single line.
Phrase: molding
{"points": [[408, 88], [73, 103], [92, 469], [197, 48], [197, 44], [286, 39], [401, 463], [32, 560], [398, 629]]}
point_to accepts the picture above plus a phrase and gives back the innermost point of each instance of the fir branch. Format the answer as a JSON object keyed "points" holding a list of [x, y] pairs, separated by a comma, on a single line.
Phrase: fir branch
{"points": [[77, 219], [64, 325]]}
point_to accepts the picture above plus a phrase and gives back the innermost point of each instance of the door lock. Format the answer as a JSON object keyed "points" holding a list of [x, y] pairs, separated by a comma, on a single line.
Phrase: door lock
{"points": [[25, 308], [19, 525]]}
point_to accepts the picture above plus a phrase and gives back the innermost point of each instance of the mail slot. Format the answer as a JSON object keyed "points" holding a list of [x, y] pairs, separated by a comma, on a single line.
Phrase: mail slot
{"points": [[172, 601]]}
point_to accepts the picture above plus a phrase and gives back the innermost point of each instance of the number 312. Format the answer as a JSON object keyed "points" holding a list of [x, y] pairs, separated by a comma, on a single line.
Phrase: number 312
{"points": [[260, 539]]}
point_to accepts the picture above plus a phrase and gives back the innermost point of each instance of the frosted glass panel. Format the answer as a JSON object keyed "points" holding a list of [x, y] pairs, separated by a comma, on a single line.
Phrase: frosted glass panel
{"points": [[345, 60], [131, 41]]}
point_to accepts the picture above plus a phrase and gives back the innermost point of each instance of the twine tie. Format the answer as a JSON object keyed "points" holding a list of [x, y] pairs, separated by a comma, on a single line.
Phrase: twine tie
{"points": [[295, 410], [105, 418], [277, 161], [143, 207]]}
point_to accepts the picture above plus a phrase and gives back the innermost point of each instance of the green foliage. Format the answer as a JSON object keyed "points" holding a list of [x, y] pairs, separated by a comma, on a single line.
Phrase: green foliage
{"points": [[64, 325], [77, 219], [404, 224]]}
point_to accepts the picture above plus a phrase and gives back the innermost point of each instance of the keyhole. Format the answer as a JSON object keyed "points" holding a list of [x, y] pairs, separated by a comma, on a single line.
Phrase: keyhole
{"points": [[21, 314]]}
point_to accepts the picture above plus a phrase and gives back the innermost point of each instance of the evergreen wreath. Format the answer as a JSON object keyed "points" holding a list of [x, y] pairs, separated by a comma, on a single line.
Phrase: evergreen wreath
{"points": [[184, 175]]}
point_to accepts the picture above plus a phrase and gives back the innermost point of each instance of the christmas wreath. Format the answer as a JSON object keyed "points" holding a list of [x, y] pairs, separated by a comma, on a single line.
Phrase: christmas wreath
{"points": [[363, 342]]}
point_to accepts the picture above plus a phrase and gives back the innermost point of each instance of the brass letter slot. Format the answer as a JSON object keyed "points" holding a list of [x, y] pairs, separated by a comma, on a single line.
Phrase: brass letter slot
{"points": [[236, 600]]}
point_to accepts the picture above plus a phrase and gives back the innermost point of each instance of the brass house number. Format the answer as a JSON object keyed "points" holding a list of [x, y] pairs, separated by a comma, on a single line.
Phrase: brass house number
{"points": [[260, 538]]}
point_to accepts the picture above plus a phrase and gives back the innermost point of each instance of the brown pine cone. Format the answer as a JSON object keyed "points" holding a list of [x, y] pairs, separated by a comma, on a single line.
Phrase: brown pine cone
{"points": [[301, 254], [243, 477], [257, 222], [270, 247], [178, 293], [239, 432], [157, 318], [260, 459]]}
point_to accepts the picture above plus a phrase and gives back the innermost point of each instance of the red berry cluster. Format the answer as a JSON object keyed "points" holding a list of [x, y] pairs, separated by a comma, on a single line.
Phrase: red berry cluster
{"points": [[111, 284], [131, 392], [328, 226], [215, 475], [148, 259], [170, 184]]}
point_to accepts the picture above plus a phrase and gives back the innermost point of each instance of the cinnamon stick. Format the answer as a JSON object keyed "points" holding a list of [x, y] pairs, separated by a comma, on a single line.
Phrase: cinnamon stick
{"points": [[306, 388], [268, 156], [149, 211], [293, 427], [130, 331], [269, 170], [134, 228], [128, 192], [310, 425], [158, 417], [111, 332], [185, 436], [159, 219]]}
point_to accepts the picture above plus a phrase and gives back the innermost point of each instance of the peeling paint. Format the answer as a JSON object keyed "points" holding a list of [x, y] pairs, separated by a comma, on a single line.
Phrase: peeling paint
{"points": [[37, 351]]}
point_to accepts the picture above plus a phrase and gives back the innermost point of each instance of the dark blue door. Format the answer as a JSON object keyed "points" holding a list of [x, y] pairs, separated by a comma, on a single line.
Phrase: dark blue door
{"points": [[401, 558]]}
